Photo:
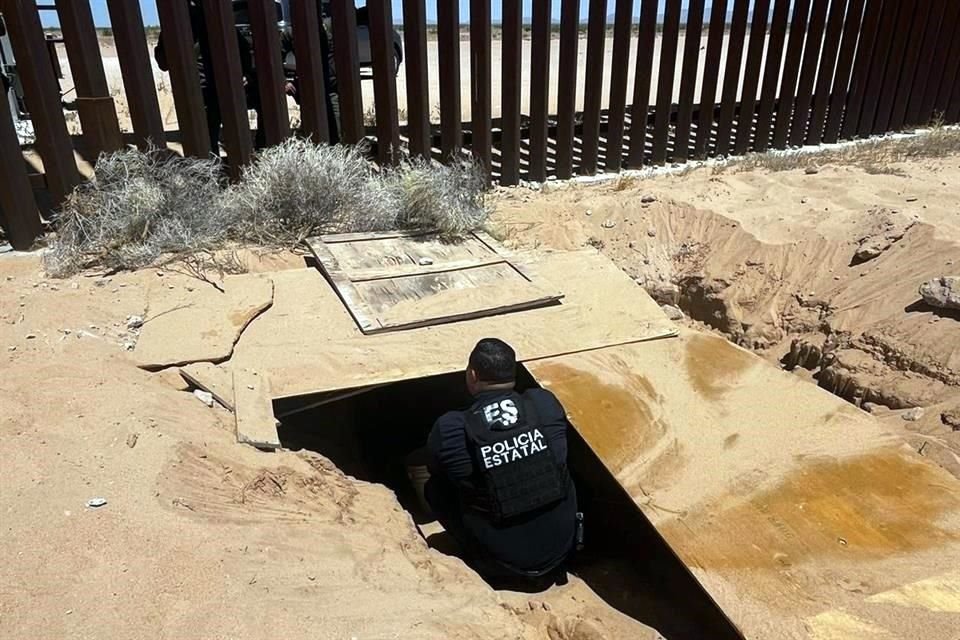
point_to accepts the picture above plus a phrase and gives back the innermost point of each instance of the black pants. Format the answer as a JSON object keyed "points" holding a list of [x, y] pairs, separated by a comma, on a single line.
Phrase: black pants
{"points": [[214, 118], [445, 503]]}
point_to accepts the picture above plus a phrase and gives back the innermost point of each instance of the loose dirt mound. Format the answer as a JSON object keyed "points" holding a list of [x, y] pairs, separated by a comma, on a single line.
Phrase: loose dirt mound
{"points": [[820, 270]]}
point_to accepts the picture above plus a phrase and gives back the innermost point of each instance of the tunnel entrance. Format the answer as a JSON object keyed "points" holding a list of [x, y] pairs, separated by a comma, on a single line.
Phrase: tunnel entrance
{"points": [[372, 433]]}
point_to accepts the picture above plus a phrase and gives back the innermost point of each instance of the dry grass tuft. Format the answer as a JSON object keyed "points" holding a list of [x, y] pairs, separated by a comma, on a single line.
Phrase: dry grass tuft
{"points": [[137, 208], [298, 189], [448, 198], [876, 156]]}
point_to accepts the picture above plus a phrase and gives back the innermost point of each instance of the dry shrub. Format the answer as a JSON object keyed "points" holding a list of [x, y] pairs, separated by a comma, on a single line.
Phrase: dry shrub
{"points": [[144, 208], [137, 208], [298, 189], [448, 198]]}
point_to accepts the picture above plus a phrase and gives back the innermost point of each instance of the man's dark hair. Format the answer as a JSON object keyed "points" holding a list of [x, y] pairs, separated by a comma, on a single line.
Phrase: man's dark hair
{"points": [[494, 361]]}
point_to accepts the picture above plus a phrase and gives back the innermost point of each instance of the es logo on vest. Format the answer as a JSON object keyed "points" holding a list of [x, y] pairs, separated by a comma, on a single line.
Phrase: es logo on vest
{"points": [[504, 412]]}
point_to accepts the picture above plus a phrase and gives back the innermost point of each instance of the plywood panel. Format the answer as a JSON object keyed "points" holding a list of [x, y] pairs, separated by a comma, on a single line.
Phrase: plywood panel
{"points": [[791, 507], [307, 342], [394, 281]]}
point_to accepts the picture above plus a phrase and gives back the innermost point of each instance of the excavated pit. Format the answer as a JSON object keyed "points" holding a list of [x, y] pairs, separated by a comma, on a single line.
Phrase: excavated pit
{"points": [[625, 561]]}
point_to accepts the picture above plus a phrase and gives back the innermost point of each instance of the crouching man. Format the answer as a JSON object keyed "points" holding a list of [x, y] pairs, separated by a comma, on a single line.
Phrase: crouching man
{"points": [[499, 482]]}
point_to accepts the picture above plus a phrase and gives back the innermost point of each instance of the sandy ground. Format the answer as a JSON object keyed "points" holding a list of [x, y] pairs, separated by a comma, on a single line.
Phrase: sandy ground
{"points": [[767, 259], [204, 538]]}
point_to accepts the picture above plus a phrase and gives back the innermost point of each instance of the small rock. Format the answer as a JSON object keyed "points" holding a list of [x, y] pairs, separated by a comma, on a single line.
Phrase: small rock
{"points": [[588, 212], [12, 347], [912, 415], [132, 440], [648, 198], [134, 322], [804, 200], [75, 285], [663, 292], [674, 313], [810, 171], [608, 224], [870, 407], [129, 346], [95, 503], [652, 232], [31, 336], [425, 262], [942, 292], [911, 198], [204, 396], [951, 419], [159, 274]]}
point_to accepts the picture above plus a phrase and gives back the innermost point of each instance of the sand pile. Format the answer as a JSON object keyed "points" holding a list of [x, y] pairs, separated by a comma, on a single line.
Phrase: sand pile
{"points": [[820, 269]]}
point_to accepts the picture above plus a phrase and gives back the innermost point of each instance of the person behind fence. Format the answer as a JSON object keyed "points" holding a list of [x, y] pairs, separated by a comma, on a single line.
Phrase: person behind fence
{"points": [[208, 85], [499, 482]]}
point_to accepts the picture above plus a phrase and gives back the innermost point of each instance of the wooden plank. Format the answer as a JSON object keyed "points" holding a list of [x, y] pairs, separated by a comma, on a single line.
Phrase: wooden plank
{"points": [[731, 75], [269, 65], [828, 62], [384, 81], [567, 85], [808, 72], [43, 96], [862, 68], [309, 342], [215, 379], [98, 115], [511, 75], [255, 420], [346, 59], [343, 286], [777, 550], [373, 235], [178, 43], [228, 76], [910, 71], [688, 79], [711, 76], [771, 74], [418, 90], [310, 60], [413, 255], [925, 62], [878, 66], [895, 64], [751, 79], [539, 88], [372, 275], [950, 26], [448, 61], [593, 86], [668, 68], [842, 79], [19, 217], [480, 78], [130, 39], [640, 108], [619, 70]]}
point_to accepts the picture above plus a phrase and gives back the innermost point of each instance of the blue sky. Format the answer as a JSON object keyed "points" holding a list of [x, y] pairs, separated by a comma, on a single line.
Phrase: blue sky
{"points": [[149, 8]]}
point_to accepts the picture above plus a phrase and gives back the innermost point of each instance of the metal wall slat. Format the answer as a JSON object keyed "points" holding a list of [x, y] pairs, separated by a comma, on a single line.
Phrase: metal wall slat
{"points": [[384, 80], [346, 58], [791, 72], [841, 81], [620, 68], [731, 75], [751, 78], [567, 85], [708, 92], [448, 41], [641, 85], [539, 88], [312, 87], [668, 68], [19, 217], [878, 66], [808, 72], [771, 74], [480, 79], [862, 67], [270, 77], [828, 63], [418, 90], [895, 64], [593, 89], [511, 72]]}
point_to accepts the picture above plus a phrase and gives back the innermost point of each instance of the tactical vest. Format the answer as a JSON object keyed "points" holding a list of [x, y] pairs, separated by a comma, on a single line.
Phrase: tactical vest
{"points": [[512, 455]]}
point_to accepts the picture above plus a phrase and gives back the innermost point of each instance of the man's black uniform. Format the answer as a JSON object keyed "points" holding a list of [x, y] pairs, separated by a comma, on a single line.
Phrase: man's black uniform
{"points": [[499, 481]]}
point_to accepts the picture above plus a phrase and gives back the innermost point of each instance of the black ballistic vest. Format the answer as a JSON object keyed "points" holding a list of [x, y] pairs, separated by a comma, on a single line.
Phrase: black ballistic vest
{"points": [[519, 471]]}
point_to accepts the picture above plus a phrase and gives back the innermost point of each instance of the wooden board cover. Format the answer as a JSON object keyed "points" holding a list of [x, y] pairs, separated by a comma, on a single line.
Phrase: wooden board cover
{"points": [[397, 280], [799, 514]]}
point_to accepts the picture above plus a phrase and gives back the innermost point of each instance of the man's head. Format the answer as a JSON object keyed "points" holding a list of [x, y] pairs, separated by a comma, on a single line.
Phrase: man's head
{"points": [[493, 365]]}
